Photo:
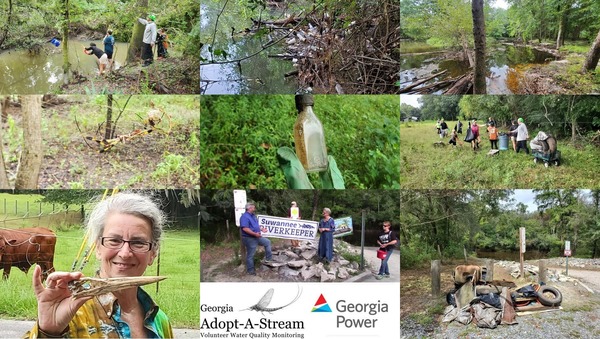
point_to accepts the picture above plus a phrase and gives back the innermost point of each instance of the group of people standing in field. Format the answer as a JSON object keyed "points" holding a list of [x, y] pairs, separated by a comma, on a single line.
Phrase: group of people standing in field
{"points": [[517, 131], [152, 37]]}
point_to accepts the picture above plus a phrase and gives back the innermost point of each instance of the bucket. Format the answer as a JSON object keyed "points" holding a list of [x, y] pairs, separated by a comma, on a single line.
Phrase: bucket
{"points": [[503, 142], [55, 42], [381, 254]]}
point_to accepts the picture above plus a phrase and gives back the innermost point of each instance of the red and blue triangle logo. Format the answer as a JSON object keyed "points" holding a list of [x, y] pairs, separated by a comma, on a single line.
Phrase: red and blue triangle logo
{"points": [[321, 305]]}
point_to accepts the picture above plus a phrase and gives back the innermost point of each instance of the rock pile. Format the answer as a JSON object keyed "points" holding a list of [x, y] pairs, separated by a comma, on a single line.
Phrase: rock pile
{"points": [[303, 264]]}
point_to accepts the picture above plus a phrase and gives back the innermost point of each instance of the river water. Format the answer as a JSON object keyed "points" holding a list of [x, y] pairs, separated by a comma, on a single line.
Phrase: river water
{"points": [[512, 255], [256, 75], [504, 63], [23, 73]]}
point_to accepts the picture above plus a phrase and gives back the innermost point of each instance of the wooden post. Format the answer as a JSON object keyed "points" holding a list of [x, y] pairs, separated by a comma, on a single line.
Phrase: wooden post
{"points": [[439, 251], [522, 269], [435, 278], [522, 249], [542, 271], [489, 264], [465, 253]]}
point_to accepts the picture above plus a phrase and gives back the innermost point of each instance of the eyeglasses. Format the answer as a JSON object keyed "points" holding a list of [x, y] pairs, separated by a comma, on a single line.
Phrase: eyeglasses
{"points": [[134, 245]]}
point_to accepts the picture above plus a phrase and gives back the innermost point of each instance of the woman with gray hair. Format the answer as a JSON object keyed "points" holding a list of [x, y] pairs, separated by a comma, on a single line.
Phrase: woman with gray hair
{"points": [[126, 229], [326, 227]]}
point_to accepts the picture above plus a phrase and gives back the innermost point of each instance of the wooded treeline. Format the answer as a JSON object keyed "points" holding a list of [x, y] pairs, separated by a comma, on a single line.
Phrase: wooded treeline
{"points": [[490, 220], [217, 207], [576, 117], [450, 20]]}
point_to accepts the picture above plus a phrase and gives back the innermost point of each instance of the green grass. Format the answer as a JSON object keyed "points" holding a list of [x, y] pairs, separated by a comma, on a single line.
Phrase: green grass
{"points": [[178, 296], [422, 166]]}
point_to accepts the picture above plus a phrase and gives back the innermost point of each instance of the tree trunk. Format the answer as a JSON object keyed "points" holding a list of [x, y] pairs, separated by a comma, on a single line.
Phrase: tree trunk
{"points": [[7, 26], [479, 38], [3, 177], [466, 51], [31, 156], [65, 43], [108, 133], [315, 204], [591, 61], [135, 44], [562, 25]]}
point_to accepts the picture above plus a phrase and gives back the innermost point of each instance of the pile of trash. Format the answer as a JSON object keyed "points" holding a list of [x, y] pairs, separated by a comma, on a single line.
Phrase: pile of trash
{"points": [[493, 303]]}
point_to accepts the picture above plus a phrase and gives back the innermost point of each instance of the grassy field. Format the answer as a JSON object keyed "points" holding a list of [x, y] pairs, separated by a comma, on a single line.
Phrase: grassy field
{"points": [[178, 296], [423, 166]]}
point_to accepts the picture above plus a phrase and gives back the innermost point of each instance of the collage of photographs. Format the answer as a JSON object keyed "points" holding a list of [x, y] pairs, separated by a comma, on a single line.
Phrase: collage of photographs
{"points": [[499, 185], [300, 169]]}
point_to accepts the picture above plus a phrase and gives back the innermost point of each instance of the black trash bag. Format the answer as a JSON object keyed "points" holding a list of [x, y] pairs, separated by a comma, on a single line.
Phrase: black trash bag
{"points": [[527, 291], [492, 299], [470, 136], [450, 298]]}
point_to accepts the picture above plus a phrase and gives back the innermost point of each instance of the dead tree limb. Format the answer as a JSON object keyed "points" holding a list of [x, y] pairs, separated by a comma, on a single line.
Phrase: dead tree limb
{"points": [[420, 82]]}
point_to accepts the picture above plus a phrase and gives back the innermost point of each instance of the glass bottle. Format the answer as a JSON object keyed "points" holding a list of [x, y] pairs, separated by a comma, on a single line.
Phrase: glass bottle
{"points": [[309, 136]]}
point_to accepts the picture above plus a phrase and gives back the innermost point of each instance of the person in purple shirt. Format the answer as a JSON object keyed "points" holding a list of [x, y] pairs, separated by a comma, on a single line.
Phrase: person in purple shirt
{"points": [[252, 238]]}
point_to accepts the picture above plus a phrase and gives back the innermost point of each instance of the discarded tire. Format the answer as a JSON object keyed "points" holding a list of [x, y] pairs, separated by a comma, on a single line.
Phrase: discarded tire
{"points": [[544, 296]]}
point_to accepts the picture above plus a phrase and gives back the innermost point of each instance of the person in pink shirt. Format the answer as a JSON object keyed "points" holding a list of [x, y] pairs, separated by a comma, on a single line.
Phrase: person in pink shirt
{"points": [[476, 137]]}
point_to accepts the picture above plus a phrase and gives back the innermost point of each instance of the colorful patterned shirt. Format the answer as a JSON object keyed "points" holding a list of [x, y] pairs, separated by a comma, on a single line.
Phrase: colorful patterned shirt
{"points": [[101, 318]]}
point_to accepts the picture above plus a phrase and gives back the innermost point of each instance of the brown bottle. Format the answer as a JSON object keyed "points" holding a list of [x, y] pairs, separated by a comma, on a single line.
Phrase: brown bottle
{"points": [[309, 136]]}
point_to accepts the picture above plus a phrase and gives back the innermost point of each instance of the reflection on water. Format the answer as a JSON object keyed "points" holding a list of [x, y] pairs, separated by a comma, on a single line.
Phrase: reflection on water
{"points": [[256, 75], [26, 74], [501, 63]]}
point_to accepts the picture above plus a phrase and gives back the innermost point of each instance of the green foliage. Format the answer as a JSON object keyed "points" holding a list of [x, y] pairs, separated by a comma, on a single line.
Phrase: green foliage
{"points": [[415, 255], [240, 136], [70, 197], [490, 220], [439, 106]]}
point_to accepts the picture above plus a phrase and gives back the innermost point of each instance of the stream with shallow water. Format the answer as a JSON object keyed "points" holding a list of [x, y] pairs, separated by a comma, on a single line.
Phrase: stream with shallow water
{"points": [[256, 75], [504, 65], [23, 73]]}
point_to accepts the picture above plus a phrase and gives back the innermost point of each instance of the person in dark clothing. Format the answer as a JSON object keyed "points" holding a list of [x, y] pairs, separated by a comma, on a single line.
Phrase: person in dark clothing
{"points": [[162, 44], [102, 57], [326, 228], [513, 136], [443, 129], [386, 241]]}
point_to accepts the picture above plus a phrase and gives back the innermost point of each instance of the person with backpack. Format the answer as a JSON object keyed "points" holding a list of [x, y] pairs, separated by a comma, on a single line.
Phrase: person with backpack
{"points": [[386, 241]]}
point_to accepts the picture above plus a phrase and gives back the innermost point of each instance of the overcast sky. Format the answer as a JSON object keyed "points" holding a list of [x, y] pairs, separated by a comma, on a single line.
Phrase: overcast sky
{"points": [[501, 4], [526, 197], [410, 100]]}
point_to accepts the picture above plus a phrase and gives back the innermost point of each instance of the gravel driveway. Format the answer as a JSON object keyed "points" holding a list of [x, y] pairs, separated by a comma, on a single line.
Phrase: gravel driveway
{"points": [[579, 318]]}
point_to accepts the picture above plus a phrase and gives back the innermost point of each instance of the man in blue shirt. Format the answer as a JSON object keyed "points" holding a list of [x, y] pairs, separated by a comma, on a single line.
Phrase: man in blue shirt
{"points": [[109, 43], [251, 238]]}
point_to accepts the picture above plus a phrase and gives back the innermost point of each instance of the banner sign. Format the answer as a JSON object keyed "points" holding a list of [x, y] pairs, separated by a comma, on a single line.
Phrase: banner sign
{"points": [[343, 226], [286, 228]]}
